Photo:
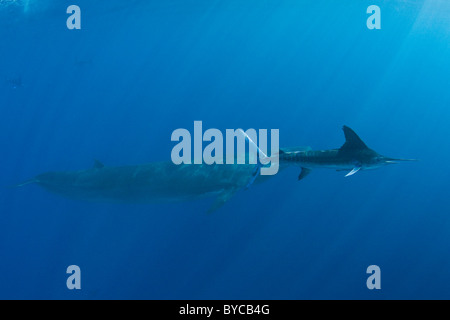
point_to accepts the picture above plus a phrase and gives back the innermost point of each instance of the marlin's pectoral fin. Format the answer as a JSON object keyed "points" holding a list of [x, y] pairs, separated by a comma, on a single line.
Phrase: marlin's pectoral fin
{"points": [[304, 173], [222, 199], [355, 170]]}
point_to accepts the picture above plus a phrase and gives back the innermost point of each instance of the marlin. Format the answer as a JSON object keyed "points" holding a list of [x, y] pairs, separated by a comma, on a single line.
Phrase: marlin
{"points": [[150, 183], [353, 157]]}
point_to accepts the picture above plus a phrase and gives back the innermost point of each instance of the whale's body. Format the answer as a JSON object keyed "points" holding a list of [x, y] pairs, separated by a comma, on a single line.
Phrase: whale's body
{"points": [[150, 183]]}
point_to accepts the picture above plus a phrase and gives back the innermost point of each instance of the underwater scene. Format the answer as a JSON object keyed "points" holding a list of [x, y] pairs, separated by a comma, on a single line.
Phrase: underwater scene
{"points": [[224, 149]]}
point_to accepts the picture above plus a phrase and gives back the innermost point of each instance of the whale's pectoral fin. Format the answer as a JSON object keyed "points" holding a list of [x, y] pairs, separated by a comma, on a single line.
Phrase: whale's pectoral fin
{"points": [[255, 175], [304, 173], [222, 199], [355, 170]]}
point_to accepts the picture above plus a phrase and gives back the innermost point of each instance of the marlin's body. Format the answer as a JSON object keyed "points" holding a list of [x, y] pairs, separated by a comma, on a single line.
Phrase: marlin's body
{"points": [[149, 183], [353, 156]]}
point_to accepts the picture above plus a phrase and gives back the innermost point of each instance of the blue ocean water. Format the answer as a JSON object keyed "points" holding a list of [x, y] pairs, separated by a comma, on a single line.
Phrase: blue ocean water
{"points": [[137, 70]]}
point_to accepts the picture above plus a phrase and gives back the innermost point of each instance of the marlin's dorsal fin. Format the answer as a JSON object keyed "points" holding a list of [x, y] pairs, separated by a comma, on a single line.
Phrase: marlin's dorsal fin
{"points": [[98, 165], [352, 141]]}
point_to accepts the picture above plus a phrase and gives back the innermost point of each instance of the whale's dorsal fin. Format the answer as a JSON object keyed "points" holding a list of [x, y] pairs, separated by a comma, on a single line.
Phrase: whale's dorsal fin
{"points": [[352, 141], [98, 165]]}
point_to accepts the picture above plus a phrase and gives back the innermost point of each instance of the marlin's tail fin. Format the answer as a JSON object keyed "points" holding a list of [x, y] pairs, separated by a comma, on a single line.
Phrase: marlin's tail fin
{"points": [[262, 155], [263, 158]]}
